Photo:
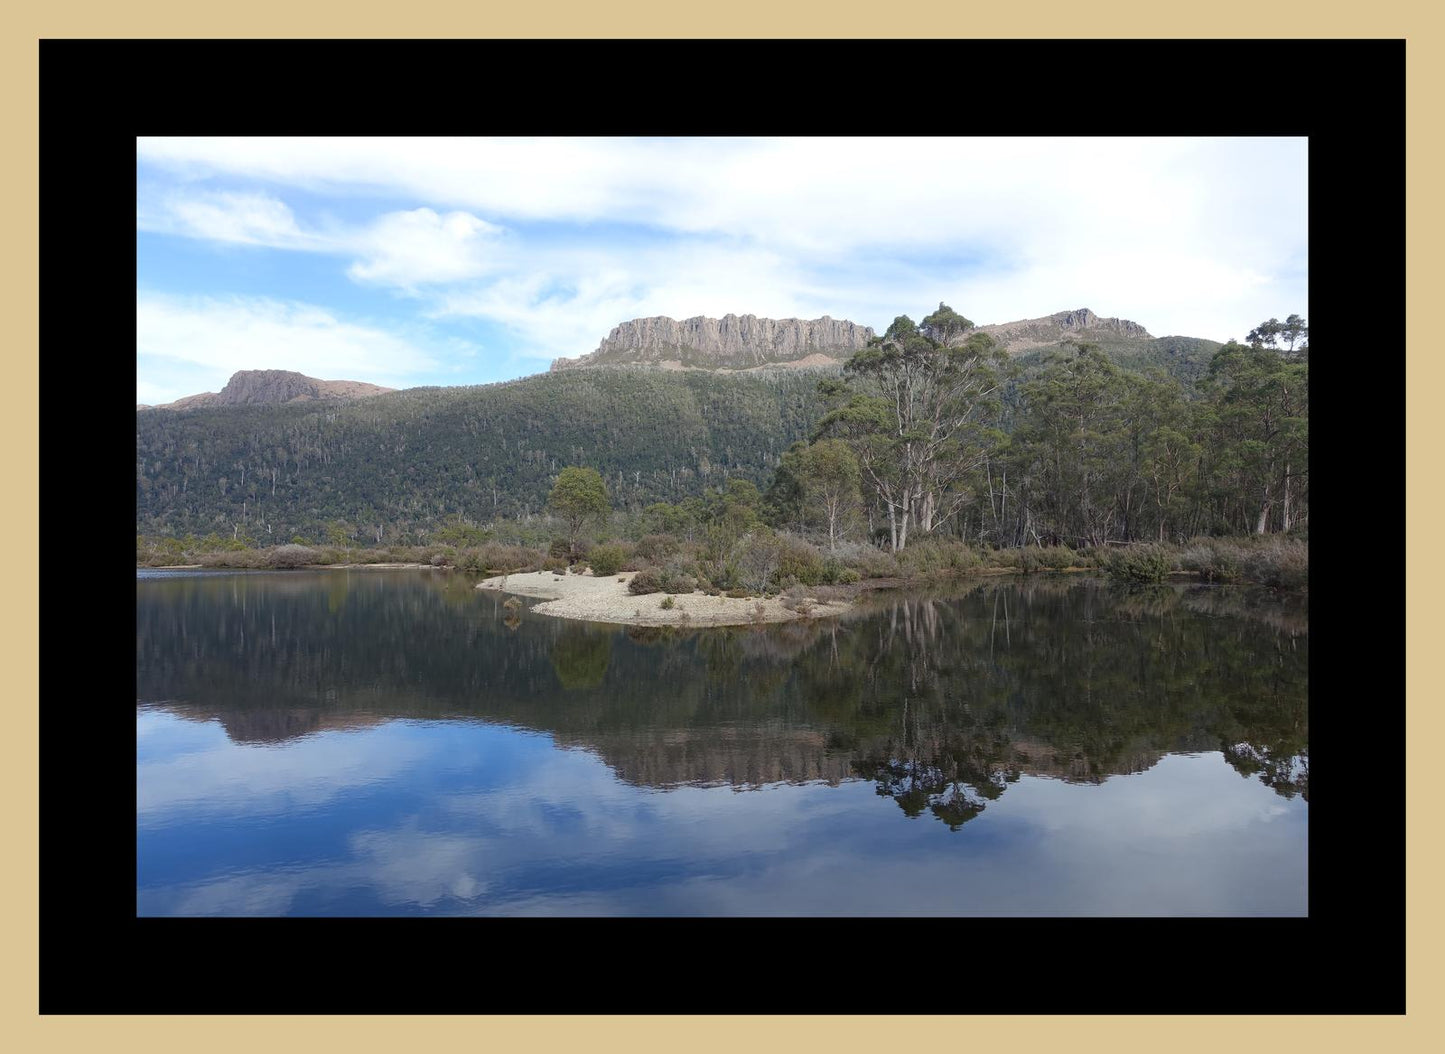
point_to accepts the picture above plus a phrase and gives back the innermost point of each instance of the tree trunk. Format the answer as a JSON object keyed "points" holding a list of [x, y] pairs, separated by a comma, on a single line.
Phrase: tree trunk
{"points": [[1285, 508]]}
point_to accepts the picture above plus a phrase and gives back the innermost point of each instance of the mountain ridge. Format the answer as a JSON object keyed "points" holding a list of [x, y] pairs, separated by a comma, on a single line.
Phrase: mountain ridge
{"points": [[272, 387]]}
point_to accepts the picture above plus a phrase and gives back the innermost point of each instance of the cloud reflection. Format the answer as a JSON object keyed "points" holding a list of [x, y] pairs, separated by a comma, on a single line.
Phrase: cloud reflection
{"points": [[556, 832]]}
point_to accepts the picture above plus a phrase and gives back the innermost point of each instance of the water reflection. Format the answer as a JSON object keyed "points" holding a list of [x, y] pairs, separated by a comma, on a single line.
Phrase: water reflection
{"points": [[380, 742]]}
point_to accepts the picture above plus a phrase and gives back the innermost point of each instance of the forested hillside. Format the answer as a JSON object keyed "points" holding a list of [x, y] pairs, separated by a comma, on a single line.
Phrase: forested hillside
{"points": [[395, 466], [1087, 431]]}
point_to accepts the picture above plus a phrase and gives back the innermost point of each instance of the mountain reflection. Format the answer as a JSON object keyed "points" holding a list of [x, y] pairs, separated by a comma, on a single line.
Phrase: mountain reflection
{"points": [[941, 700]]}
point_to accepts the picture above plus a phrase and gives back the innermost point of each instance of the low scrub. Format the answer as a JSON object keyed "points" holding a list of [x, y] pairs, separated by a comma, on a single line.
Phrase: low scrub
{"points": [[660, 581], [1281, 563], [798, 562], [1139, 563], [607, 559], [656, 547], [1212, 559], [867, 561], [1056, 558], [291, 556], [932, 556]]}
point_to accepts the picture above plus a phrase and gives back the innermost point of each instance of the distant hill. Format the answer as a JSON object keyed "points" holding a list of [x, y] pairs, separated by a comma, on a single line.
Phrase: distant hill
{"points": [[664, 409], [270, 387], [407, 460], [1080, 324]]}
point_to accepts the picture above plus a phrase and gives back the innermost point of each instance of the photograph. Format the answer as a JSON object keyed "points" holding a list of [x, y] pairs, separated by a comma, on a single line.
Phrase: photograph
{"points": [[723, 526]]}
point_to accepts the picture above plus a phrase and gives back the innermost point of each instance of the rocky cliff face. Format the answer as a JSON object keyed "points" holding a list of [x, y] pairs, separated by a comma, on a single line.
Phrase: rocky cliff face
{"points": [[734, 342], [249, 387]]}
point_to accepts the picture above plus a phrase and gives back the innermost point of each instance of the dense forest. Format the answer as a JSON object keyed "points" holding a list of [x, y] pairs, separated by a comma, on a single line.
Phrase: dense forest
{"points": [[394, 468], [944, 434], [931, 431]]}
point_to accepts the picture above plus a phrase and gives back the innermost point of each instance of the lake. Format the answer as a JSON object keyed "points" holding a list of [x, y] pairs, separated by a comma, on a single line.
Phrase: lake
{"points": [[367, 742]]}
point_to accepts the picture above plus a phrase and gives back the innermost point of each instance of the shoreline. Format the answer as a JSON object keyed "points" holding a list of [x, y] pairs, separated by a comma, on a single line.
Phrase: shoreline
{"points": [[592, 599]]}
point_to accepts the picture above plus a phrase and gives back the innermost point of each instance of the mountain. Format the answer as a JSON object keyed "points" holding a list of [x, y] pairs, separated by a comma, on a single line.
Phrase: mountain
{"points": [[1127, 344], [1080, 324], [270, 387], [746, 343], [663, 409], [407, 460], [730, 343]]}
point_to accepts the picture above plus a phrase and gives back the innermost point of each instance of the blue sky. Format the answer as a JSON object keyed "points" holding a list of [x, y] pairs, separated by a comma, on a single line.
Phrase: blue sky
{"points": [[410, 262]]}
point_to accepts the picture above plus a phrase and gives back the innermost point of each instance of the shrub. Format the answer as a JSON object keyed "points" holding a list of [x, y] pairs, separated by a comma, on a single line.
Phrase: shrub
{"points": [[936, 555], [1139, 563], [668, 603], [868, 561], [1282, 564], [656, 546], [676, 580], [291, 556], [799, 562], [644, 582], [607, 559], [1211, 560], [555, 563], [1056, 557], [847, 576]]}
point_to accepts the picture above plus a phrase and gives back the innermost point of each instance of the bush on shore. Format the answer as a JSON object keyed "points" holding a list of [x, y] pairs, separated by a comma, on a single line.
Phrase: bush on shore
{"points": [[761, 561], [1139, 563]]}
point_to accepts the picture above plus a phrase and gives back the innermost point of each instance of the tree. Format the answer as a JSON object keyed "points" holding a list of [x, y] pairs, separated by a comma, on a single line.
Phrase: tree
{"points": [[913, 417], [828, 475], [1261, 410], [1293, 333], [579, 497], [945, 325]]}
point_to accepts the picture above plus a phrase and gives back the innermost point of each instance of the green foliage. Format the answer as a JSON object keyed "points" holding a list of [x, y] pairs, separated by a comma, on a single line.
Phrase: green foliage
{"points": [[580, 498], [1056, 557], [668, 603], [1139, 563], [936, 556], [656, 547], [397, 467], [1212, 559], [607, 559], [798, 562]]}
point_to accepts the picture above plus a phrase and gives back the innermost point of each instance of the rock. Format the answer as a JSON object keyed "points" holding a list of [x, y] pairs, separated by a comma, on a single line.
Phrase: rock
{"points": [[735, 342], [251, 387]]}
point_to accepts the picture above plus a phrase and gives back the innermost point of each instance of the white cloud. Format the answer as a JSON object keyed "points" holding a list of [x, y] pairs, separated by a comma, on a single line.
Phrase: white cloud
{"points": [[403, 249], [1202, 237], [215, 337], [247, 219], [408, 249]]}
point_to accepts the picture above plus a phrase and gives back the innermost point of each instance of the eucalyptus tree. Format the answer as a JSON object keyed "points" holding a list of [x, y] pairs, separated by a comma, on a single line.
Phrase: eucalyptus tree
{"points": [[829, 479], [580, 498], [1261, 405], [914, 411]]}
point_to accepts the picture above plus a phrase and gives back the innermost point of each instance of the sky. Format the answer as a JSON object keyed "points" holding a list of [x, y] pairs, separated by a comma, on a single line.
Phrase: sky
{"points": [[407, 262]]}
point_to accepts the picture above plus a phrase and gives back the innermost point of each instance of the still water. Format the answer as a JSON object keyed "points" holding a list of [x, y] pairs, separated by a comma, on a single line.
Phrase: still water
{"points": [[396, 743]]}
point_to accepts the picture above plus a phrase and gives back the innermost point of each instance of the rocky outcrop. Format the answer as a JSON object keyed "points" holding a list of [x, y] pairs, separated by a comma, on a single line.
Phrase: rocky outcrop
{"points": [[252, 387], [734, 342], [1080, 324]]}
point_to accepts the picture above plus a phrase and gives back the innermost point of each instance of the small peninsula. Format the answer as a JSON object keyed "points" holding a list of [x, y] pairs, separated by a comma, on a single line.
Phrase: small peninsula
{"points": [[605, 598]]}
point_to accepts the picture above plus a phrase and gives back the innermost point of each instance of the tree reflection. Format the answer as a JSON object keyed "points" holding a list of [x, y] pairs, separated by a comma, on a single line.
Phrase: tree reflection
{"points": [[940, 700]]}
